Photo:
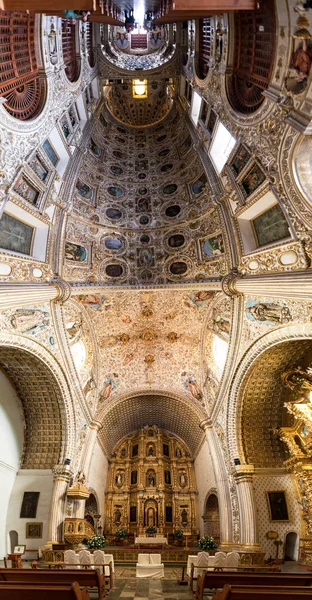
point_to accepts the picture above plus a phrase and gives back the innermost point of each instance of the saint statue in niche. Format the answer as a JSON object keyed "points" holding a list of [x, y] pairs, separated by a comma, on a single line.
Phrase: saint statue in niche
{"points": [[183, 479], [151, 479], [184, 517], [117, 516], [118, 479], [150, 451]]}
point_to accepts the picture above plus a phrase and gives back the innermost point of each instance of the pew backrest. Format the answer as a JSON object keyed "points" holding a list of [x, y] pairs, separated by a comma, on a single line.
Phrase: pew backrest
{"points": [[91, 578], [231, 592], [36, 591]]}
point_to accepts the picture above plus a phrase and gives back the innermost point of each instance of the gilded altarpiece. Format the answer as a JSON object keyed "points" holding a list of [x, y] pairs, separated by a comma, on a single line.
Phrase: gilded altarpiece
{"points": [[151, 483]]}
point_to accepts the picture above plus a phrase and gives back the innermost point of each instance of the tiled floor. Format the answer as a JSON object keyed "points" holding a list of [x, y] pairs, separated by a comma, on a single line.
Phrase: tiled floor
{"points": [[149, 589]]}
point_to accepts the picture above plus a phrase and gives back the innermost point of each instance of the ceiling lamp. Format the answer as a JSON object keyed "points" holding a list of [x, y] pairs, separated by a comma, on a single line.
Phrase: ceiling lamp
{"points": [[139, 88]]}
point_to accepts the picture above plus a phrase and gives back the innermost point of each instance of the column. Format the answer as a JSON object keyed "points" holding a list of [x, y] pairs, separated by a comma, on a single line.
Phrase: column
{"points": [[297, 285], [84, 467], [247, 506], [26, 294], [62, 476], [222, 483]]}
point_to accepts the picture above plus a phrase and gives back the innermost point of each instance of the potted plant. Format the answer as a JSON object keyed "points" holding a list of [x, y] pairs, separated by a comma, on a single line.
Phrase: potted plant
{"points": [[121, 533], [97, 542], [151, 531], [207, 543], [178, 534]]}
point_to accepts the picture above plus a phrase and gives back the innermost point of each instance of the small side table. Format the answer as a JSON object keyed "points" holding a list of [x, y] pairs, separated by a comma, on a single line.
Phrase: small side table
{"points": [[16, 560]]}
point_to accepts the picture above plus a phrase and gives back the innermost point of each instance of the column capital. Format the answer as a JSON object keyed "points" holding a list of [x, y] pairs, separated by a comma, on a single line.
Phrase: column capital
{"points": [[62, 473], [206, 424], [64, 289], [229, 283], [244, 473], [96, 425]]}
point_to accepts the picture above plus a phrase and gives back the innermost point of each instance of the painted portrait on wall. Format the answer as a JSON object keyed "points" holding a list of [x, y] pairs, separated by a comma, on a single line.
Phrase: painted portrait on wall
{"points": [[15, 235], [267, 312], [199, 184], [34, 530], [50, 152], [84, 190], [277, 506], [75, 252], [240, 160], [95, 148], [38, 167], [212, 246], [26, 190], [252, 180], [29, 505]]}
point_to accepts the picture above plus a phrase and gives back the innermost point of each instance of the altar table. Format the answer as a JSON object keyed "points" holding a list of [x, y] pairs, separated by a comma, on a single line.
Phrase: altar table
{"points": [[151, 540]]}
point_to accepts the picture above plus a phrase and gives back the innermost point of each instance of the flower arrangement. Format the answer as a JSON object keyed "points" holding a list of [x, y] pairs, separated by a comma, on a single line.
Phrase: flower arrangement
{"points": [[96, 542], [179, 533], [207, 543], [150, 529], [121, 533]]}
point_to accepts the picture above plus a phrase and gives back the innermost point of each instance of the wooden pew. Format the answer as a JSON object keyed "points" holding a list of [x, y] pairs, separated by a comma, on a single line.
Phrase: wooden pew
{"points": [[90, 577], [38, 591], [231, 592], [61, 565], [218, 579], [240, 568]]}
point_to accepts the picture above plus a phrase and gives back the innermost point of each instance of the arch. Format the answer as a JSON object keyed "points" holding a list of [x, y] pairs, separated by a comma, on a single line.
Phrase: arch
{"points": [[254, 52], [130, 412], [256, 351], [13, 537], [70, 57], [45, 398], [211, 516], [20, 82]]}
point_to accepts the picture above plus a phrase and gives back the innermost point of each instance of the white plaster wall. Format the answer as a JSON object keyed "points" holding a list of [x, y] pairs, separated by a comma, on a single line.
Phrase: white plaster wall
{"points": [[97, 478], [30, 480], [276, 483], [11, 447], [205, 480]]}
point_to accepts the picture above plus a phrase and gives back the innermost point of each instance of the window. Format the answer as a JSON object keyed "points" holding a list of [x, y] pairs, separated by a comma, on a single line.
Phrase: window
{"points": [[195, 108], [133, 511], [271, 226], [221, 147], [16, 235]]}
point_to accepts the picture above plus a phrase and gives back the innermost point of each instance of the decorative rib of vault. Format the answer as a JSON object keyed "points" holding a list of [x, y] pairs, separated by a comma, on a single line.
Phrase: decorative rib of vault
{"points": [[170, 413], [41, 399], [263, 399]]}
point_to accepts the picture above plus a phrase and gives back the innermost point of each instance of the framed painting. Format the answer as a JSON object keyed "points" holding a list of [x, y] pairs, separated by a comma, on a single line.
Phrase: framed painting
{"points": [[277, 506], [26, 190], [29, 505], [211, 246], [16, 235], [252, 180], [50, 152], [240, 160], [34, 530], [75, 252], [38, 167], [270, 226]]}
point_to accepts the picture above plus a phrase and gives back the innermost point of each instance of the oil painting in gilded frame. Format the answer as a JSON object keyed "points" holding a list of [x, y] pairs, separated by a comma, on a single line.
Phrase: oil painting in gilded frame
{"points": [[29, 505], [15, 235], [211, 246], [50, 152], [239, 160], [34, 530], [75, 253], [252, 180], [277, 506]]}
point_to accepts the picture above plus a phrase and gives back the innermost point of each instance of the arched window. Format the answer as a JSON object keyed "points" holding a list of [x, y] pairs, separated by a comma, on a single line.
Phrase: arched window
{"points": [[88, 32], [20, 83], [205, 46], [69, 50], [254, 48]]}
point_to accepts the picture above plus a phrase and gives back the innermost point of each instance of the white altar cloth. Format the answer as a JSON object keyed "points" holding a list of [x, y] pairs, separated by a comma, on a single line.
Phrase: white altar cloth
{"points": [[150, 540], [192, 558]]}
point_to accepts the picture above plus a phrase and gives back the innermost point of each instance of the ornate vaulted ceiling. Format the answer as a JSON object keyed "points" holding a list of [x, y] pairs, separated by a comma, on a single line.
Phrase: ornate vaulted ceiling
{"points": [[142, 208]]}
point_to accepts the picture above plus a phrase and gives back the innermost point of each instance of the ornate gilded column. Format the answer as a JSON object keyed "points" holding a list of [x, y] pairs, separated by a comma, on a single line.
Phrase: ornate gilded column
{"points": [[62, 476], [222, 483], [297, 285], [247, 506], [26, 294]]}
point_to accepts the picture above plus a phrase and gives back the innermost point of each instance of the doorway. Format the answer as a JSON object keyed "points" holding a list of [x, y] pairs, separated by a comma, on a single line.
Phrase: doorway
{"points": [[291, 546]]}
